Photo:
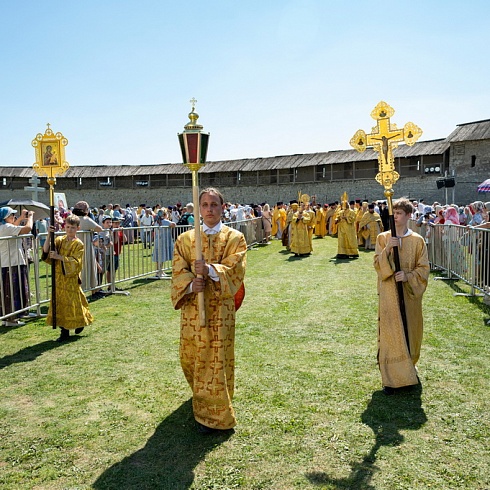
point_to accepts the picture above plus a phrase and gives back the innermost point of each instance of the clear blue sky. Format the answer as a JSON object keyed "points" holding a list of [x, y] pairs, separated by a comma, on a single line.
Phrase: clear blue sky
{"points": [[272, 77]]}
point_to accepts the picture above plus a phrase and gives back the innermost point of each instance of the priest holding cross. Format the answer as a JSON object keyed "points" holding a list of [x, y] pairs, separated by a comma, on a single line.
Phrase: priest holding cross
{"points": [[400, 260]]}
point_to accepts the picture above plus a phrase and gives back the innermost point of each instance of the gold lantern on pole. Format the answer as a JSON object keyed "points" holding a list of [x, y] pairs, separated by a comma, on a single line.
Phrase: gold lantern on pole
{"points": [[194, 147]]}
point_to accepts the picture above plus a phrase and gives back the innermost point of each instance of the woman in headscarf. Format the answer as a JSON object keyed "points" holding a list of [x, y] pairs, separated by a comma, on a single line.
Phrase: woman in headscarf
{"points": [[13, 262], [477, 208], [451, 216]]}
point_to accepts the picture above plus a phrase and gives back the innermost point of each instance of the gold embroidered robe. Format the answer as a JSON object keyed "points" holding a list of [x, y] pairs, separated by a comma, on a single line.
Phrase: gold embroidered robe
{"points": [[331, 223], [321, 223], [370, 227], [71, 304], [300, 240], [347, 238], [278, 221], [397, 366], [207, 354]]}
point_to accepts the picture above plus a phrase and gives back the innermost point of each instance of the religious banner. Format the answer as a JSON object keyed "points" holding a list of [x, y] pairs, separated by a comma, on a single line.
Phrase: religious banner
{"points": [[50, 154], [49, 149]]}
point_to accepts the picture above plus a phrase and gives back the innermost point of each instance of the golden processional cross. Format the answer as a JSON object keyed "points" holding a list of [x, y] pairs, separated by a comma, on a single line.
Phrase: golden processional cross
{"points": [[384, 138]]}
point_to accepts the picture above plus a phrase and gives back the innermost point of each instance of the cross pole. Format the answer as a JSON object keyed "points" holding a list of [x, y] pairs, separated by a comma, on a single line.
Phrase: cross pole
{"points": [[384, 138]]}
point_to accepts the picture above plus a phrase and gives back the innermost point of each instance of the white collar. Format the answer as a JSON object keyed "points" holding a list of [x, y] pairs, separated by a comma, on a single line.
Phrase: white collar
{"points": [[212, 231], [408, 233]]}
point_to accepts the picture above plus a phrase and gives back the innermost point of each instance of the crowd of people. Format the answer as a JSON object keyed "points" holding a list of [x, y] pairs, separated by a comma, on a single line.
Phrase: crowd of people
{"points": [[356, 224]]}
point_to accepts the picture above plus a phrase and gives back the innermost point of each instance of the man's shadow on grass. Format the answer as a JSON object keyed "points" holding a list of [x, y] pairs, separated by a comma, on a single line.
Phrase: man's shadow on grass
{"points": [[294, 258], [336, 260], [32, 352], [387, 416], [168, 458]]}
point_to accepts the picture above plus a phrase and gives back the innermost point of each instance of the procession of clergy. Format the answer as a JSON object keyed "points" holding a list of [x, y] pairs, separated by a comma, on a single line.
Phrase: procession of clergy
{"points": [[355, 224]]}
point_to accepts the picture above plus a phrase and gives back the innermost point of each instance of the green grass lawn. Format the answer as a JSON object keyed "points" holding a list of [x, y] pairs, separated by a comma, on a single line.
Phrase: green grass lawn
{"points": [[111, 409]]}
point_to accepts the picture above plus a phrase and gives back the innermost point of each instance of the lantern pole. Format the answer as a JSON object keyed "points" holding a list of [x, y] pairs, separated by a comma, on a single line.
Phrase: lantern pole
{"points": [[194, 145], [384, 139], [50, 161]]}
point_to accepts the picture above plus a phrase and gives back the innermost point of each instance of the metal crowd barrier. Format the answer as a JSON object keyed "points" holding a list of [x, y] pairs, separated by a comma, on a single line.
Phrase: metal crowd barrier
{"points": [[145, 252], [460, 252]]}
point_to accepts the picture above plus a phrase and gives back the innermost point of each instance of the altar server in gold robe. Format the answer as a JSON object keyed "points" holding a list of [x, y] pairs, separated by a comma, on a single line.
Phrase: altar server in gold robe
{"points": [[72, 311], [207, 354], [370, 226], [396, 362]]}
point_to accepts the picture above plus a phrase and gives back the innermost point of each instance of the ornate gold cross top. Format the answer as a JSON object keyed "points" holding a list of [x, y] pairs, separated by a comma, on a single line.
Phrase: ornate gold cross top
{"points": [[193, 103], [384, 139]]}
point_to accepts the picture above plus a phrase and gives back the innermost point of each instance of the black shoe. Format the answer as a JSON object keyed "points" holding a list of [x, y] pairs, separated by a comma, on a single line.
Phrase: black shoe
{"points": [[65, 335], [79, 330], [388, 390]]}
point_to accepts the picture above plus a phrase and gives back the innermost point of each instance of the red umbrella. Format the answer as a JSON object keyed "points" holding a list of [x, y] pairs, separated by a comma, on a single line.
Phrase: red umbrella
{"points": [[484, 186]]}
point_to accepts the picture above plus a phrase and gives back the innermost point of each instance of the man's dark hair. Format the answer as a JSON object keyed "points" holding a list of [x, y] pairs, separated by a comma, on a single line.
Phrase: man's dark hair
{"points": [[212, 190]]}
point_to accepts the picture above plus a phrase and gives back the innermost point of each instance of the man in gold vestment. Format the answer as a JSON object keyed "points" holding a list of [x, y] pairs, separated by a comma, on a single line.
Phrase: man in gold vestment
{"points": [[347, 239], [300, 240], [278, 220], [330, 219], [321, 221], [396, 362], [363, 208], [312, 222], [207, 354], [293, 207]]}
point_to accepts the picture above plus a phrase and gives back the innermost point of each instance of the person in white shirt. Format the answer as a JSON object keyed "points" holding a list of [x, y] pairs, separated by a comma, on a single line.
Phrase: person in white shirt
{"points": [[146, 220], [13, 262]]}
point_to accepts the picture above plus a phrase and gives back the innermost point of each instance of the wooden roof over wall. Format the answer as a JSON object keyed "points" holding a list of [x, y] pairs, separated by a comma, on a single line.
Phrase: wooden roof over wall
{"points": [[433, 147], [473, 131]]}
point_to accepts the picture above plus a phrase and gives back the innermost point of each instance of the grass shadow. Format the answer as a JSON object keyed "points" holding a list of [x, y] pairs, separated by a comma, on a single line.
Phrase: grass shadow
{"points": [[168, 458], [336, 261], [386, 416], [32, 352], [4, 329], [454, 284], [297, 257]]}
